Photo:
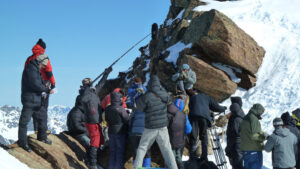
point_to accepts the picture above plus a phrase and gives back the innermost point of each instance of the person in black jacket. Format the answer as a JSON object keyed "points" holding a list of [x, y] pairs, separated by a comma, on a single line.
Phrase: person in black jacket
{"points": [[90, 102], [290, 123], [233, 149], [201, 119], [76, 125], [33, 91], [117, 118], [154, 103]]}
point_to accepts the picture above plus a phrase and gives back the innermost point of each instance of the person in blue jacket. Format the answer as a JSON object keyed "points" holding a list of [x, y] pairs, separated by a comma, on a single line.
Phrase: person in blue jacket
{"points": [[136, 89], [137, 121]]}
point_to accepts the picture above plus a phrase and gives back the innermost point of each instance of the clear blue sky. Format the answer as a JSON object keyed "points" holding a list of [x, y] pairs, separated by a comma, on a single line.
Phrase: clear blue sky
{"points": [[82, 37]]}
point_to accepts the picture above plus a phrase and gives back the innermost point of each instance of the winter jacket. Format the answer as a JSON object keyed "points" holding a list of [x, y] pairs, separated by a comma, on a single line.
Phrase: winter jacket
{"points": [[32, 86], [296, 116], [252, 136], [133, 95], [233, 149], [283, 145], [91, 105], [179, 103], [107, 100], [176, 126], [201, 104], [154, 104], [76, 122], [46, 72], [137, 123], [237, 100], [189, 81], [116, 116]]}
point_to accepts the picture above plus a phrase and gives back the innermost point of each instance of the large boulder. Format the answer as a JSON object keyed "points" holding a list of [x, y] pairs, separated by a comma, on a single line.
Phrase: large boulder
{"points": [[218, 38], [210, 80]]}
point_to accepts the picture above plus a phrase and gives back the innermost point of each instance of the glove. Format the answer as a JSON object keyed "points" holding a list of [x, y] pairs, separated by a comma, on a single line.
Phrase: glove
{"points": [[140, 90], [184, 75], [225, 108], [52, 86], [108, 70]]}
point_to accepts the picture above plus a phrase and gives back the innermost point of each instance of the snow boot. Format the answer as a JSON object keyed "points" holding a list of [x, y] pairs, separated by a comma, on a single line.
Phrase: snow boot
{"points": [[147, 162], [92, 158]]}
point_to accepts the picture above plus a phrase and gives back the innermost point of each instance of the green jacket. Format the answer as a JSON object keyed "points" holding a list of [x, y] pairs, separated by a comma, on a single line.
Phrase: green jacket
{"points": [[252, 137]]}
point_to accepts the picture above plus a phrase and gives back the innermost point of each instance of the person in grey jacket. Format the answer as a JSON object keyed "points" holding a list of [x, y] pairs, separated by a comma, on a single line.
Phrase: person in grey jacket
{"points": [[185, 78], [154, 103], [283, 145]]}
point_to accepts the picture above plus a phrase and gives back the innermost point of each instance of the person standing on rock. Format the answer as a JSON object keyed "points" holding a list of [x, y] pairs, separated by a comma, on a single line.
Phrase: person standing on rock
{"points": [[33, 91], [201, 119], [233, 149], [92, 109], [48, 79], [137, 120], [178, 128], [117, 118], [154, 103], [185, 78], [252, 138], [283, 145]]}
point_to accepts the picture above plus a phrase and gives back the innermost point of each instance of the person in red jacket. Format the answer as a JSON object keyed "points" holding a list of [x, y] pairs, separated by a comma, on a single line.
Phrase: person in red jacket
{"points": [[107, 99], [47, 76]]}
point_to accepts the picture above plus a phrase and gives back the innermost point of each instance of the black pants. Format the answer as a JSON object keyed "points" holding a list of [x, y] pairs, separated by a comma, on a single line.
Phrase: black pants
{"points": [[199, 127], [43, 111], [178, 156], [236, 163], [282, 168], [135, 141]]}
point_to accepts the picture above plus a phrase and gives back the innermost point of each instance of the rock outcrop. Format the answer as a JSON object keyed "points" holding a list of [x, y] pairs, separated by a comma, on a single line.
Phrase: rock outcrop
{"points": [[205, 38]]}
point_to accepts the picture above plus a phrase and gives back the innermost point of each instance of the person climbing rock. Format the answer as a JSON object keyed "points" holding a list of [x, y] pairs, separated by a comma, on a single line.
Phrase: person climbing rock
{"points": [[33, 91], [185, 78], [201, 119]]}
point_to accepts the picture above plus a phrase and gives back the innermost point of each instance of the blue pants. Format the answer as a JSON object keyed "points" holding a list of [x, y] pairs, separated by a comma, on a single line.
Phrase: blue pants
{"points": [[117, 145], [252, 159]]}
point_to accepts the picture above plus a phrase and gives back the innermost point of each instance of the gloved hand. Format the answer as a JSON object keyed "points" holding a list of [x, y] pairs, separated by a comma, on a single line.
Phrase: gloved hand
{"points": [[108, 70], [225, 107], [184, 75], [140, 90]]}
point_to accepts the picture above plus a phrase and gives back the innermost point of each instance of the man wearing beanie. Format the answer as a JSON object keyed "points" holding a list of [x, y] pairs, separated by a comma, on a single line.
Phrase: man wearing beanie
{"points": [[32, 92], [283, 145], [252, 138], [185, 78], [47, 75]]}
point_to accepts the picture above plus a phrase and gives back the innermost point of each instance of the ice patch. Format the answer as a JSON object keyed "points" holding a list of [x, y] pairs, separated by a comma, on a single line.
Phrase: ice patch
{"points": [[175, 50], [229, 70]]}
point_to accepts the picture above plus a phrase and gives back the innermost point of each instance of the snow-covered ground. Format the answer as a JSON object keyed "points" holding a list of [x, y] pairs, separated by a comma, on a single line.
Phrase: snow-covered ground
{"points": [[275, 25], [8, 161]]}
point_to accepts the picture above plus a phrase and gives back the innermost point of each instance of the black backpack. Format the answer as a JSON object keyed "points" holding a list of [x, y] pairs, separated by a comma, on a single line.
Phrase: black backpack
{"points": [[197, 164]]}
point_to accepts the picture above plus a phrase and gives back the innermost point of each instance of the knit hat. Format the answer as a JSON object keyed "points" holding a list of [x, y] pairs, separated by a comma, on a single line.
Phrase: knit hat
{"points": [[42, 59], [277, 122], [185, 66], [86, 81], [41, 43]]}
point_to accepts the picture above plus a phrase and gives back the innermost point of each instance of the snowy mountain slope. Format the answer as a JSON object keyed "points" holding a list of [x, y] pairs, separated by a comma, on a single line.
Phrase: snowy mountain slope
{"points": [[275, 25], [9, 120], [8, 161]]}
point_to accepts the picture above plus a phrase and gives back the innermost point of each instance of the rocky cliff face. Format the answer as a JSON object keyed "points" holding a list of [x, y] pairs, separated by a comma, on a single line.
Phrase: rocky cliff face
{"points": [[223, 56]]}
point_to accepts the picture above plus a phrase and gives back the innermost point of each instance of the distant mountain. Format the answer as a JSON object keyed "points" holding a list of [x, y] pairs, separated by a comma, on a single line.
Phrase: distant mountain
{"points": [[9, 120]]}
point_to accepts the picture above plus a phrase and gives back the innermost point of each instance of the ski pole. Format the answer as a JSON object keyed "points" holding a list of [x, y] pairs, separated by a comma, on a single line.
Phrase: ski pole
{"points": [[121, 57]]}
